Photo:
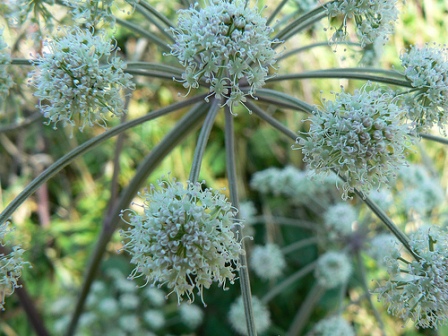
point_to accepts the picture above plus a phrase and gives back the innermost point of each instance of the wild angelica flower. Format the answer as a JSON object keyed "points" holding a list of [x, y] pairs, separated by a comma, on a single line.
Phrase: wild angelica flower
{"points": [[360, 136], [183, 238], [154, 318], [237, 316], [333, 269], [267, 261], [5, 79], [373, 19], [226, 45], [80, 77], [418, 289], [382, 247], [339, 219], [11, 266], [426, 69], [191, 315], [333, 326]]}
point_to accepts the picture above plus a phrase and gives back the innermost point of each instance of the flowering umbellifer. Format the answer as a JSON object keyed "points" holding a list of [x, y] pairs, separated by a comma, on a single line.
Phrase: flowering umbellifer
{"points": [[184, 238]]}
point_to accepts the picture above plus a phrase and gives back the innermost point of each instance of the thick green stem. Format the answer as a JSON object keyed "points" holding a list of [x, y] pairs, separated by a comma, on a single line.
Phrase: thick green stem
{"points": [[276, 11], [202, 141], [299, 244], [184, 127], [145, 33], [311, 46], [149, 12], [85, 147], [156, 13], [233, 189], [434, 138]]}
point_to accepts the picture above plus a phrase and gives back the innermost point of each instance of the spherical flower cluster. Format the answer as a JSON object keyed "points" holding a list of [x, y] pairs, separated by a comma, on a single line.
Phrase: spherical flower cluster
{"points": [[333, 326], [382, 197], [333, 269], [339, 219], [184, 238], [191, 315], [225, 45], [418, 289], [5, 79], [360, 136], [373, 19], [267, 261], [11, 266], [426, 69], [154, 318], [72, 82], [237, 316], [382, 247]]}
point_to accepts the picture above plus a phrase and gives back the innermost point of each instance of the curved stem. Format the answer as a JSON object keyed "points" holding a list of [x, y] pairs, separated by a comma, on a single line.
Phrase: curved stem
{"points": [[149, 12], [155, 12], [21, 61], [314, 45], [289, 281], [153, 74], [434, 138], [202, 141], [85, 147], [349, 73], [186, 125], [28, 121], [276, 96], [150, 36], [276, 11], [299, 244], [231, 175]]}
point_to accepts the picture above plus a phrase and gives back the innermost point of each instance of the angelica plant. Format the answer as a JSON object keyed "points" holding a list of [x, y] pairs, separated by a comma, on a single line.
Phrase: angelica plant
{"points": [[214, 74]]}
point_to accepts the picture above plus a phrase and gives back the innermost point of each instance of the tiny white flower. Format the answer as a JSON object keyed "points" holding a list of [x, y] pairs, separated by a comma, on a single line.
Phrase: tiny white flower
{"points": [[237, 317], [184, 238], [333, 326], [333, 269], [191, 315], [72, 82], [267, 261]]}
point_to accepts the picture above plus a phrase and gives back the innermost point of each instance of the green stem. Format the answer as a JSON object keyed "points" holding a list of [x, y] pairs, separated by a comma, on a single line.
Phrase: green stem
{"points": [[150, 36], [85, 147], [276, 11], [305, 310], [22, 61], [231, 175], [152, 74], [299, 244], [186, 125], [434, 138], [149, 12], [349, 73], [313, 45], [288, 282], [28, 121], [156, 13], [362, 273], [287, 221], [202, 141]]}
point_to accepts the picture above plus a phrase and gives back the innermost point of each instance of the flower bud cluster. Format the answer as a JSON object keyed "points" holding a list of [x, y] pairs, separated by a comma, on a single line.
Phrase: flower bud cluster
{"points": [[267, 261], [426, 69], [225, 44], [184, 238], [418, 289], [80, 77], [361, 137], [333, 269], [374, 20], [237, 316], [333, 326]]}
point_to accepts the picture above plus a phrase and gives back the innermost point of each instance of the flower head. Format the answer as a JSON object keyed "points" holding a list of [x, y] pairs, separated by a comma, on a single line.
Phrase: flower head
{"points": [[225, 44], [339, 219], [382, 247], [183, 238], [426, 69], [360, 136], [418, 289], [333, 269], [373, 19], [191, 315], [267, 261], [72, 82], [333, 326], [11, 266], [237, 316]]}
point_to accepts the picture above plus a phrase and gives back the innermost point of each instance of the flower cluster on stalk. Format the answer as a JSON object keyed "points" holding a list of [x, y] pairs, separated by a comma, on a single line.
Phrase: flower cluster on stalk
{"points": [[373, 19], [184, 238], [333, 269], [237, 316], [227, 46], [267, 261], [80, 77], [333, 326], [362, 137], [418, 289], [426, 69]]}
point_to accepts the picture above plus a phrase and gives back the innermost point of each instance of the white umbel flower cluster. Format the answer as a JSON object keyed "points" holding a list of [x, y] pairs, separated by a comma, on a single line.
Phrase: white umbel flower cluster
{"points": [[418, 289], [267, 261], [183, 238], [11, 266], [237, 316], [333, 269], [226, 45], [426, 69], [5, 79], [382, 247], [333, 326], [339, 219], [373, 19], [80, 77], [362, 137]]}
